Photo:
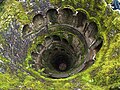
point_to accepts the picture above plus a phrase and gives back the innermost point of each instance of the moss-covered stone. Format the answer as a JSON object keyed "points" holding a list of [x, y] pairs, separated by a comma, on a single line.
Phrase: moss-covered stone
{"points": [[104, 74]]}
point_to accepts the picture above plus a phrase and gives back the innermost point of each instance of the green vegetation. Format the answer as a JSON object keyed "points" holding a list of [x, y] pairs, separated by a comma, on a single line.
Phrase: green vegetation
{"points": [[102, 75]]}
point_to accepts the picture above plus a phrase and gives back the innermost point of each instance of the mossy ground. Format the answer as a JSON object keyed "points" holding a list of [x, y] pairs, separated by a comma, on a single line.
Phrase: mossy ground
{"points": [[102, 75]]}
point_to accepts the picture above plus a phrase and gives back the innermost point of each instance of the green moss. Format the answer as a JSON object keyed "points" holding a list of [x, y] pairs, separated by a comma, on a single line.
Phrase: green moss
{"points": [[12, 9], [2, 41], [102, 75], [7, 81], [108, 1]]}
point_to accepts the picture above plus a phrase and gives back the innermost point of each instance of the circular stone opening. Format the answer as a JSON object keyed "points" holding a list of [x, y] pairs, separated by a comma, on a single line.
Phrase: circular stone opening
{"points": [[61, 62], [65, 52], [60, 56]]}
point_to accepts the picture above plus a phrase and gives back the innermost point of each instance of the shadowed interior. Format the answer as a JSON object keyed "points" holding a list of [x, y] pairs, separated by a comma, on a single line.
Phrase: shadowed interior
{"points": [[61, 62]]}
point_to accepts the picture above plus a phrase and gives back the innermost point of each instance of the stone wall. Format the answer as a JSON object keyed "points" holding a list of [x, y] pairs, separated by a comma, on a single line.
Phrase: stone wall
{"points": [[59, 44]]}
